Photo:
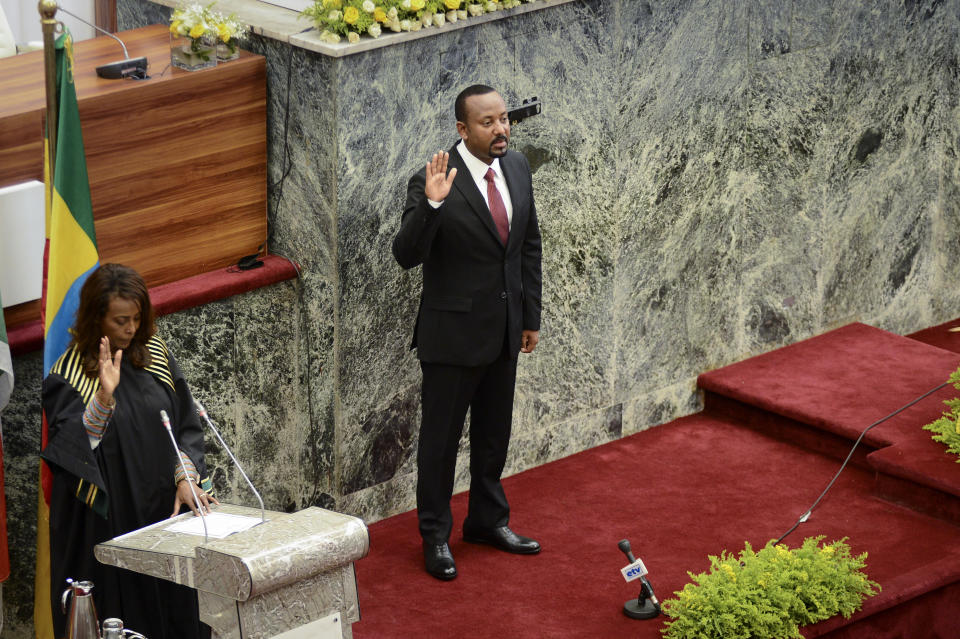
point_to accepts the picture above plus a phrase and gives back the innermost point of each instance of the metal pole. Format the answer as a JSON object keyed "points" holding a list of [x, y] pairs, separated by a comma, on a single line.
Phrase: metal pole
{"points": [[48, 11]]}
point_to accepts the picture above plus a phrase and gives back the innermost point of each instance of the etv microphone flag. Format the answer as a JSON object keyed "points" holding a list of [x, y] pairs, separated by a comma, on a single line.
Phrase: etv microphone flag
{"points": [[633, 571]]}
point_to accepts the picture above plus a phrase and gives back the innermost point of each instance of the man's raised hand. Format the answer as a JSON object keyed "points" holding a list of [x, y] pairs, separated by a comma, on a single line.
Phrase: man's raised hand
{"points": [[439, 181]]}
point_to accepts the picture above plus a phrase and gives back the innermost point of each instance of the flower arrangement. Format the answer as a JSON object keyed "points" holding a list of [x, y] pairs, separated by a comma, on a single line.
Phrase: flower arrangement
{"points": [[192, 20], [229, 32], [770, 593], [349, 18], [947, 429], [193, 37], [352, 19]]}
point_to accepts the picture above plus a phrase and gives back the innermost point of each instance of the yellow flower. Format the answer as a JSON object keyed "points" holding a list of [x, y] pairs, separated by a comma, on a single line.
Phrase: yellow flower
{"points": [[416, 5], [196, 31], [827, 549], [175, 26], [380, 15], [350, 15], [224, 32], [452, 4]]}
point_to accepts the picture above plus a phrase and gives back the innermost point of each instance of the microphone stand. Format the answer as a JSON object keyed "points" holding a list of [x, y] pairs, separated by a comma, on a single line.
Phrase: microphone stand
{"points": [[128, 67], [183, 467], [645, 606], [203, 413]]}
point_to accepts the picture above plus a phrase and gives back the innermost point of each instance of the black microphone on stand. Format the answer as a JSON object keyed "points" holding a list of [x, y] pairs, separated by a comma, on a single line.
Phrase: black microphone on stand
{"points": [[645, 606], [135, 68]]}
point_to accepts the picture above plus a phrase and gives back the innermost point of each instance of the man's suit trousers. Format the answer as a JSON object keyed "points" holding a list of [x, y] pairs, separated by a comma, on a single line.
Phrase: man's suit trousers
{"points": [[448, 391]]}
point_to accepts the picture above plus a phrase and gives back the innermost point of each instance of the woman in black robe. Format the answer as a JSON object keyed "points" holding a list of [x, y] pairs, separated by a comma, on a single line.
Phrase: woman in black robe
{"points": [[113, 464]]}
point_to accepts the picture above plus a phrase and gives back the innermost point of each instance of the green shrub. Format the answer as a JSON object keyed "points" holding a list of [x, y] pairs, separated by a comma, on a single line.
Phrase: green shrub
{"points": [[770, 593], [947, 428]]}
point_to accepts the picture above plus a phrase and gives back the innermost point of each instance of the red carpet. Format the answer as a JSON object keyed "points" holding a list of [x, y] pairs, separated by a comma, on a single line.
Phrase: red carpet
{"points": [[694, 487]]}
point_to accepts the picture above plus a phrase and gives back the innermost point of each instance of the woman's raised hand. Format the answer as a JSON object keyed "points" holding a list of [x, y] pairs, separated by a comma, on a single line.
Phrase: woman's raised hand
{"points": [[109, 369]]}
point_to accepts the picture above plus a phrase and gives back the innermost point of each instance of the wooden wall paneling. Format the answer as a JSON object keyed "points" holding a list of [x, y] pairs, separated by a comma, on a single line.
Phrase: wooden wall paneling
{"points": [[178, 179], [105, 14], [21, 156]]}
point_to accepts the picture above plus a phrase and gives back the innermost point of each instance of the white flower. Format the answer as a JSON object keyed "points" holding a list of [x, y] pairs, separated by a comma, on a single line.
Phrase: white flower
{"points": [[329, 36], [392, 14], [369, 6], [439, 19], [353, 37], [475, 9], [374, 30], [491, 6], [405, 5], [394, 26], [405, 25], [334, 15], [416, 25], [462, 14], [426, 19], [451, 16]]}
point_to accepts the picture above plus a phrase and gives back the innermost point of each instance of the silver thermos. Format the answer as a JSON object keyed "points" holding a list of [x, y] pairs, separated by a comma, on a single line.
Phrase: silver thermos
{"points": [[113, 629], [82, 617]]}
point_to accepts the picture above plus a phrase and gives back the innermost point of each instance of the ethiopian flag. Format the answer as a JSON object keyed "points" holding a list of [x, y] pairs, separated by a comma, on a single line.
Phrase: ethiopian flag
{"points": [[70, 256], [6, 387]]}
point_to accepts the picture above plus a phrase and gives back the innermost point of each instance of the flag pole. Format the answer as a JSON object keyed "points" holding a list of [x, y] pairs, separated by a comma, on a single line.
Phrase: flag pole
{"points": [[48, 21]]}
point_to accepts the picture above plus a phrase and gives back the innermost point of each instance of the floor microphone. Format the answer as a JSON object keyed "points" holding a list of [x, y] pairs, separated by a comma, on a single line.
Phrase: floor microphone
{"points": [[203, 413], [645, 606], [183, 467]]}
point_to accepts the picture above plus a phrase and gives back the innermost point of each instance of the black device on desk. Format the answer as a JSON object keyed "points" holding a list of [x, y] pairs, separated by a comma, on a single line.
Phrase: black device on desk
{"points": [[134, 68]]}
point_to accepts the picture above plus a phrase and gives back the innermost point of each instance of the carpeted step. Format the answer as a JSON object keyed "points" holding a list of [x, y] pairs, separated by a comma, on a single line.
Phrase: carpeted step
{"points": [[823, 392], [945, 336]]}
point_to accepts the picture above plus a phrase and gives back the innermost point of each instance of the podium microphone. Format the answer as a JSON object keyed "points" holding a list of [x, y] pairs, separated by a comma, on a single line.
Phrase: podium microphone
{"points": [[176, 451], [203, 413], [135, 68], [645, 606]]}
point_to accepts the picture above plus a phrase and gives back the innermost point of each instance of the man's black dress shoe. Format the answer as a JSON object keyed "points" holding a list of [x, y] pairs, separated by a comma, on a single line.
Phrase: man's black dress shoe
{"points": [[439, 561], [504, 539]]}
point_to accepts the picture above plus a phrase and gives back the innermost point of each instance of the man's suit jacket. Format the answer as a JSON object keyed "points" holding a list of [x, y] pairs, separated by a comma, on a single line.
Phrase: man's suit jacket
{"points": [[474, 287]]}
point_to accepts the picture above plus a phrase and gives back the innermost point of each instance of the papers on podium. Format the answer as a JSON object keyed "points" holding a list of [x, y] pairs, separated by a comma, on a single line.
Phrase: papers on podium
{"points": [[219, 525]]}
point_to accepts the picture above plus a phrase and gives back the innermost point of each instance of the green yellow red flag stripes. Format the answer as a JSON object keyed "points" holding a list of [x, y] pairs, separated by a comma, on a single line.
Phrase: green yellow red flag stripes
{"points": [[70, 256]]}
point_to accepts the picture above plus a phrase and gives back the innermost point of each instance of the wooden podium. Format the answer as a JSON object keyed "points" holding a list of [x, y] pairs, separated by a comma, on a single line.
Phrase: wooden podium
{"points": [[290, 577]]}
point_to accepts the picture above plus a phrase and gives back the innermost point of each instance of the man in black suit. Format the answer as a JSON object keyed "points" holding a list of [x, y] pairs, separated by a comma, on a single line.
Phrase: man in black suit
{"points": [[474, 229]]}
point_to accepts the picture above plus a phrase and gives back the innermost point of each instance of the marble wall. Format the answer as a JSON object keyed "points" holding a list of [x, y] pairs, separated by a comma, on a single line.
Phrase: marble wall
{"points": [[714, 179]]}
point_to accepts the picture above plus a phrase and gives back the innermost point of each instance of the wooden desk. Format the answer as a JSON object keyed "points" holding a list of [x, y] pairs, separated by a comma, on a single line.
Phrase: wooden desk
{"points": [[177, 163]]}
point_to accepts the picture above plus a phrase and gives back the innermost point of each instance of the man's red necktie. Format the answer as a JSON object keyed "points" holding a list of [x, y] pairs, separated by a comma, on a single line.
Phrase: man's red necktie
{"points": [[497, 208]]}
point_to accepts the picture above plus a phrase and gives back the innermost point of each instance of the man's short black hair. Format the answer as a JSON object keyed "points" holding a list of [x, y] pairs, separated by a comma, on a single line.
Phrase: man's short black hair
{"points": [[460, 106]]}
